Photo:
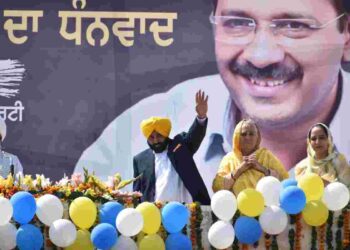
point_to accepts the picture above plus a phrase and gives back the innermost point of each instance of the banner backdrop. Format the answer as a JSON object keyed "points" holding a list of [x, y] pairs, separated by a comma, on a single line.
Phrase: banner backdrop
{"points": [[71, 89], [71, 71]]}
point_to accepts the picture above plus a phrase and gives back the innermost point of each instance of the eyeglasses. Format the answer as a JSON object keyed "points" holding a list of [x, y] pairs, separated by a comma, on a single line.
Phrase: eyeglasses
{"points": [[241, 30]]}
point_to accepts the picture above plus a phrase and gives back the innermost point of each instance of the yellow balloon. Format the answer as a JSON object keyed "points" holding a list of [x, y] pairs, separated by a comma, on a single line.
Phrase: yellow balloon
{"points": [[312, 185], [83, 241], [315, 213], [83, 212], [152, 242], [250, 202], [151, 217]]}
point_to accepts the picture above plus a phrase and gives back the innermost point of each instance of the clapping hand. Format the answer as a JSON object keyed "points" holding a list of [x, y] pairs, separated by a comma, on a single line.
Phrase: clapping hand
{"points": [[251, 159], [245, 165], [253, 163]]}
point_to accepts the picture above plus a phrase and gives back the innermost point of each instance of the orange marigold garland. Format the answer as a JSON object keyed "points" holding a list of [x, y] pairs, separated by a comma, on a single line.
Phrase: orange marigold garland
{"points": [[346, 229], [270, 241], [321, 236], [298, 231], [161, 232], [196, 219], [47, 241], [267, 238], [193, 237], [128, 202], [245, 247], [198, 225]]}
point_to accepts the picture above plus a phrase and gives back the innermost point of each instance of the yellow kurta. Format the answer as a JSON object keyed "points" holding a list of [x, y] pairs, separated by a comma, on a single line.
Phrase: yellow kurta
{"points": [[249, 178], [333, 168], [231, 162]]}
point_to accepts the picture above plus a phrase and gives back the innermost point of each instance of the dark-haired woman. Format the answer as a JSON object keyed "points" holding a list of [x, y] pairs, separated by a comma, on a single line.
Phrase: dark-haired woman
{"points": [[323, 157]]}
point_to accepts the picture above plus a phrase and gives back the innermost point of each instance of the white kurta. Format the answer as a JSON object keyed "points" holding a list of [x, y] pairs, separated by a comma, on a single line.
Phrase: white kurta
{"points": [[169, 186]]}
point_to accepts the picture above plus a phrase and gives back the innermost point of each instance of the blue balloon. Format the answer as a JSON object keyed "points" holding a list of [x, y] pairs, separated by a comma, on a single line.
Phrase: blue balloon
{"points": [[174, 217], [248, 230], [292, 200], [24, 207], [29, 237], [109, 212], [104, 236], [289, 182], [178, 241]]}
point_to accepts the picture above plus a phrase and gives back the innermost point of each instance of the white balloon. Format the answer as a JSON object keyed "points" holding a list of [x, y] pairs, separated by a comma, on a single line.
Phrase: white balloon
{"points": [[336, 196], [8, 236], [273, 220], [124, 243], [270, 187], [6, 211], [224, 204], [129, 222], [221, 234], [62, 233], [49, 209]]}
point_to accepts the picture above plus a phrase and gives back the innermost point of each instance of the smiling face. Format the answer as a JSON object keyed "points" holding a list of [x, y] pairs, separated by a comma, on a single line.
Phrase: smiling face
{"points": [[274, 78], [319, 141]]}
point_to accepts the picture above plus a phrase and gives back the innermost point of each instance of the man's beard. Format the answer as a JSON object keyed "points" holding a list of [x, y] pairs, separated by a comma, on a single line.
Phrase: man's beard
{"points": [[160, 146]]}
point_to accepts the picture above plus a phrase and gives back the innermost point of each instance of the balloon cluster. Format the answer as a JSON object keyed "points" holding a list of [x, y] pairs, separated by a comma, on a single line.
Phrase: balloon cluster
{"points": [[272, 201], [147, 218], [22, 207], [75, 234]]}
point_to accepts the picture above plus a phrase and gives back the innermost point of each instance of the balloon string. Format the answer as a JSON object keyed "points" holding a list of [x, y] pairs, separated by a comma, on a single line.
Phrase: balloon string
{"points": [[245, 247], [267, 241]]}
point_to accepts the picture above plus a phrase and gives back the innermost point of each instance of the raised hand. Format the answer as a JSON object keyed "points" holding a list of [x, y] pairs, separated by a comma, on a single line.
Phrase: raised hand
{"points": [[201, 104]]}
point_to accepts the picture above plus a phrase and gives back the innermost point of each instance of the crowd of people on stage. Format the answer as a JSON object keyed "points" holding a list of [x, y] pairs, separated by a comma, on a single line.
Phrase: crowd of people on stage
{"points": [[167, 171], [170, 173]]}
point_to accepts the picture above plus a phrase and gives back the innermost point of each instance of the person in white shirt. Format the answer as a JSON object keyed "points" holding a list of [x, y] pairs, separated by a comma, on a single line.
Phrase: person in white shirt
{"points": [[9, 163], [168, 171]]}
